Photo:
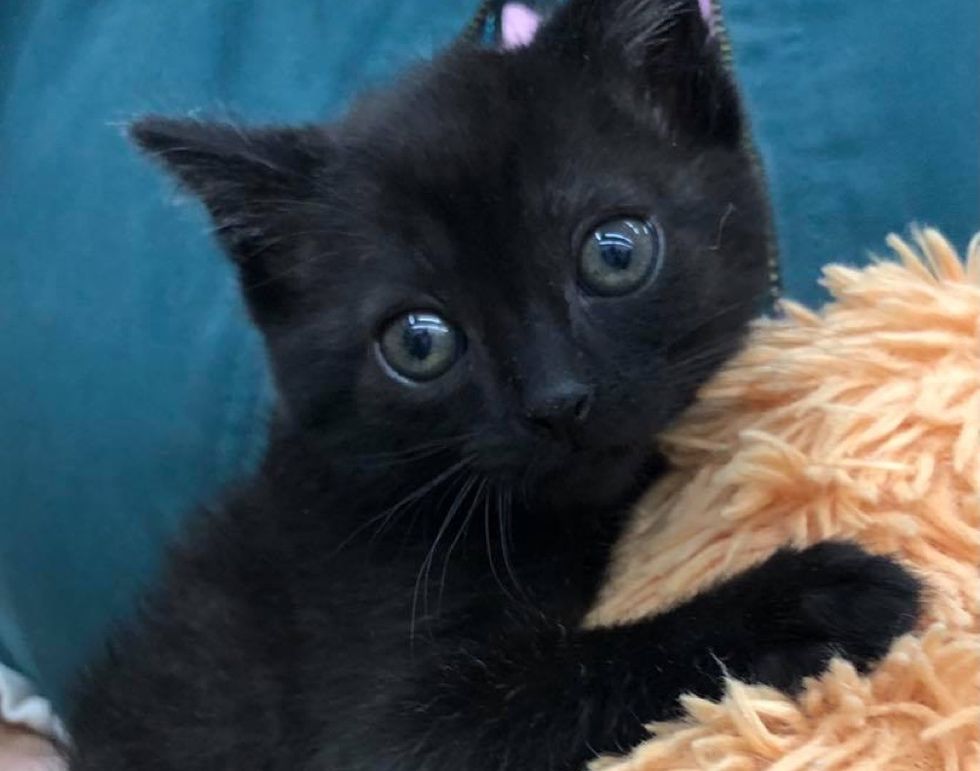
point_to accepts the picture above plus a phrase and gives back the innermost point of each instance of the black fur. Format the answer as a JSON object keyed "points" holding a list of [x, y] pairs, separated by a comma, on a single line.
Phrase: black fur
{"points": [[401, 585]]}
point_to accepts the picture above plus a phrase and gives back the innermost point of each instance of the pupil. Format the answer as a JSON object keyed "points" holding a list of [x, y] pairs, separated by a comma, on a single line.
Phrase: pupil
{"points": [[616, 251], [418, 342]]}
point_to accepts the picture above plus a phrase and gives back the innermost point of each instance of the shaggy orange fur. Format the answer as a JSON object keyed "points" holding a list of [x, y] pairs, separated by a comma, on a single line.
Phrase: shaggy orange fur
{"points": [[861, 421]]}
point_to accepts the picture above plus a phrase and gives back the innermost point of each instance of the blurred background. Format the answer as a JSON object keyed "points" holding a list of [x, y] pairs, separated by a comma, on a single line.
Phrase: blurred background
{"points": [[131, 385]]}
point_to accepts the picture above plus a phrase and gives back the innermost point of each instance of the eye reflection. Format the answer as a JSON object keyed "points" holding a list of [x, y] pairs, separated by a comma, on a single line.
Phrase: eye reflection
{"points": [[420, 345], [620, 256]]}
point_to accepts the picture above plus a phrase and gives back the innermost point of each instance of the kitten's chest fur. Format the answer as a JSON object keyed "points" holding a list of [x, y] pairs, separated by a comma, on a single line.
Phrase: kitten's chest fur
{"points": [[470, 554], [345, 603]]}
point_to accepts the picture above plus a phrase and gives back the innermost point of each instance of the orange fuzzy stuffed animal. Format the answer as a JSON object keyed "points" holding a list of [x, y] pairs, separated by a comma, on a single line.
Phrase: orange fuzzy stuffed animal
{"points": [[861, 421]]}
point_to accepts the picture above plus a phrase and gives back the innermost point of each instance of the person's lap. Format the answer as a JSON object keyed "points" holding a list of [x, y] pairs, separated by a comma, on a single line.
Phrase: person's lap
{"points": [[23, 750]]}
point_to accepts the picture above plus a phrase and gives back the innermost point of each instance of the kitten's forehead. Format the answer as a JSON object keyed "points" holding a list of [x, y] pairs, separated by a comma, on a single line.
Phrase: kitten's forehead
{"points": [[494, 141], [471, 115]]}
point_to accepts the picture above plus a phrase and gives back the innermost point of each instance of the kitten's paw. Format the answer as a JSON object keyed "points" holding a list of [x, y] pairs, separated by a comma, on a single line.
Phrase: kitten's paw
{"points": [[830, 599]]}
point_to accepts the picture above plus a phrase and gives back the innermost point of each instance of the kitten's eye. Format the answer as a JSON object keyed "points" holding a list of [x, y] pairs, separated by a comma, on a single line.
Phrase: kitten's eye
{"points": [[620, 255], [420, 345]]}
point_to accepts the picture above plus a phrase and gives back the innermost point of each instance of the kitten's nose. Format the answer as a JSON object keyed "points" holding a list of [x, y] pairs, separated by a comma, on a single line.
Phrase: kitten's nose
{"points": [[560, 407]]}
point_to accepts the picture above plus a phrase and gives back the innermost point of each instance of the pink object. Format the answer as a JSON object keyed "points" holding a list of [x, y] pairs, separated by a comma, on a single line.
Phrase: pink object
{"points": [[705, 6], [518, 25]]}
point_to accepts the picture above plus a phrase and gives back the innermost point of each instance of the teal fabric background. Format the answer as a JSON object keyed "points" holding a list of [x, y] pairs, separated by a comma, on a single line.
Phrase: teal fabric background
{"points": [[131, 385], [867, 115]]}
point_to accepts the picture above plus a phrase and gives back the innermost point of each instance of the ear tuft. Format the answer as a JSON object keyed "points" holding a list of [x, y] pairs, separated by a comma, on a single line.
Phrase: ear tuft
{"points": [[644, 29], [242, 175], [203, 154]]}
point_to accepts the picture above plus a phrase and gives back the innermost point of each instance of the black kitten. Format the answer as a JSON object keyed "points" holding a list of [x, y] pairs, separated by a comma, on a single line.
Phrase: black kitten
{"points": [[483, 293]]}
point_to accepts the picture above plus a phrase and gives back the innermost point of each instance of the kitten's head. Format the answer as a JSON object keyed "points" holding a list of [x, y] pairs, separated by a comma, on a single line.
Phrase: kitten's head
{"points": [[527, 258]]}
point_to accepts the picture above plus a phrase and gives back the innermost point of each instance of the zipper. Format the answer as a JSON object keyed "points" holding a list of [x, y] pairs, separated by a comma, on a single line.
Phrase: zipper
{"points": [[775, 277], [475, 31]]}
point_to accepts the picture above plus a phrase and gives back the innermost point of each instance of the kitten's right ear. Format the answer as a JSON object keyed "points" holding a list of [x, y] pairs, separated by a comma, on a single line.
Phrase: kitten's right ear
{"points": [[246, 177], [255, 184]]}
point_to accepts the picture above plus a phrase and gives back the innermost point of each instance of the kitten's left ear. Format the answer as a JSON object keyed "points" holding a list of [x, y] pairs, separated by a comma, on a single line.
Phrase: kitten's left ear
{"points": [[658, 55]]}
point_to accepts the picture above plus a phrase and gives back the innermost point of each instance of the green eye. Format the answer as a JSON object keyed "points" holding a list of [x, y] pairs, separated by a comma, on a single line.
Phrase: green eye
{"points": [[620, 255], [420, 345]]}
